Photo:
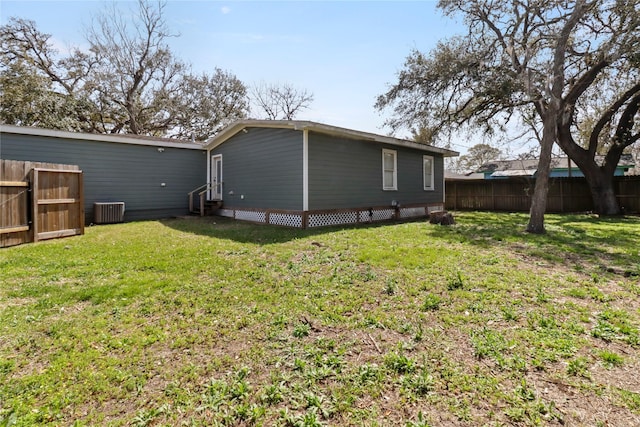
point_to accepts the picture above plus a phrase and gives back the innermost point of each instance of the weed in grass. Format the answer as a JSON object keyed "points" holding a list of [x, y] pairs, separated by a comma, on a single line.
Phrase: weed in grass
{"points": [[524, 392], [419, 422], [456, 282], [145, 417], [372, 322], [597, 295], [8, 419], [580, 293], [369, 374], [315, 374], [461, 408], [420, 383], [431, 302], [578, 367], [527, 408], [515, 363], [406, 328], [542, 296], [476, 307], [240, 390], [273, 394], [614, 325], [6, 367], [419, 334], [313, 400], [585, 292], [308, 419], [299, 365], [487, 343], [631, 399], [301, 330], [509, 314], [391, 286], [399, 363], [248, 412], [610, 359]]}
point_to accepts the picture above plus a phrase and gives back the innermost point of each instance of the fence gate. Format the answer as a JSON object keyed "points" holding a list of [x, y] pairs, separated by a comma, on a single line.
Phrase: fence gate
{"points": [[39, 201]]}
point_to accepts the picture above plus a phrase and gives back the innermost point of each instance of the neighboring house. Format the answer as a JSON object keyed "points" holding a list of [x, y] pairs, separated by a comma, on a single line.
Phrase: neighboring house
{"points": [[150, 175], [560, 167], [448, 175], [307, 174]]}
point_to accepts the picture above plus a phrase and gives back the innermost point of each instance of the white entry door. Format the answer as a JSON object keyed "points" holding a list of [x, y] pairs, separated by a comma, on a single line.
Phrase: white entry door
{"points": [[216, 177]]}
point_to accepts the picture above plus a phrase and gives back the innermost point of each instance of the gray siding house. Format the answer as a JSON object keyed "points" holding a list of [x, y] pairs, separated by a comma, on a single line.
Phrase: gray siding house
{"points": [[307, 174], [152, 176]]}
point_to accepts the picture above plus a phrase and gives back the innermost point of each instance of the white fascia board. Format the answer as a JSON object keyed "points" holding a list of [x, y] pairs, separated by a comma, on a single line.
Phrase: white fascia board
{"points": [[356, 134], [239, 125], [120, 139], [236, 127]]}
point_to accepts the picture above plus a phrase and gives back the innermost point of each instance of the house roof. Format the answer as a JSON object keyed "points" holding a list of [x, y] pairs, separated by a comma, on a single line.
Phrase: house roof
{"points": [[238, 126], [119, 138], [528, 167], [449, 175]]}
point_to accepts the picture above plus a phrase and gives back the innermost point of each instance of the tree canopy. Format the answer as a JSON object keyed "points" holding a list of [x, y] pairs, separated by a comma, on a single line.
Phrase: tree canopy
{"points": [[546, 59], [128, 81], [477, 156], [280, 101]]}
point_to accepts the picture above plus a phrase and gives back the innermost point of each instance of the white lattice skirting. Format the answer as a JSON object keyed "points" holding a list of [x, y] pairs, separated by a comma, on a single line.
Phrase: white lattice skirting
{"points": [[255, 216], [327, 218], [286, 219], [376, 215], [412, 212], [333, 218]]}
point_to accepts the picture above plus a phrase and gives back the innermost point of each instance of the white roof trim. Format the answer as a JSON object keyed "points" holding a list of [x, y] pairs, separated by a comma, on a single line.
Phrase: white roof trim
{"points": [[122, 139], [300, 125], [515, 172]]}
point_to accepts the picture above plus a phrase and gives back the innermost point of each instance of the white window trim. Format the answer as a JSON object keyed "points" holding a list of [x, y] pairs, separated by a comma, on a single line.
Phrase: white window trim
{"points": [[433, 167], [395, 170]]}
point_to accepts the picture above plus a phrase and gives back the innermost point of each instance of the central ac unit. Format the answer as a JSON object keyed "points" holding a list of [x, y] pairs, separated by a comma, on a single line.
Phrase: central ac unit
{"points": [[108, 212]]}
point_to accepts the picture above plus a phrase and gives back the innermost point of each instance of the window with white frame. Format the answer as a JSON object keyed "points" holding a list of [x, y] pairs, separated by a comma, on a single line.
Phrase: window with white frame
{"points": [[427, 172], [389, 170]]}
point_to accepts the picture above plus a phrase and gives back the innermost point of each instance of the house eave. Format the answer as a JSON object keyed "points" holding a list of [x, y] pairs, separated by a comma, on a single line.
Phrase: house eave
{"points": [[121, 139], [302, 125]]}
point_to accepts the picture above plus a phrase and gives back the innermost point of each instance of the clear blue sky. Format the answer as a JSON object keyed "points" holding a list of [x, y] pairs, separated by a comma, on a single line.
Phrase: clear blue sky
{"points": [[344, 52]]}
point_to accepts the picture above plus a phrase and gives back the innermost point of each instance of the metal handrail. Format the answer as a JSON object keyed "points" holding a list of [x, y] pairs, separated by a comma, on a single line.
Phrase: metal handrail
{"points": [[191, 209], [198, 188], [201, 195]]}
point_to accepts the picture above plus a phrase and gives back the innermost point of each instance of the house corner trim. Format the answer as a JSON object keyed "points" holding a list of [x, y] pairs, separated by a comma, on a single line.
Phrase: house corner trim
{"points": [[305, 170]]}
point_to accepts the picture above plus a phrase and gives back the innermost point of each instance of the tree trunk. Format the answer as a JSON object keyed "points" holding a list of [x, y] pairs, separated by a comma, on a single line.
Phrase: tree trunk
{"points": [[539, 199], [599, 178], [603, 193]]}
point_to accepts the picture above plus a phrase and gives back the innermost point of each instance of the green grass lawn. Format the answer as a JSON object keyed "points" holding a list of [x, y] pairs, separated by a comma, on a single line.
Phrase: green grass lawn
{"points": [[214, 322]]}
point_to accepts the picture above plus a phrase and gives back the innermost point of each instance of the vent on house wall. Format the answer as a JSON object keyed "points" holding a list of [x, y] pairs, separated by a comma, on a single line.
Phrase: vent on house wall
{"points": [[108, 213]]}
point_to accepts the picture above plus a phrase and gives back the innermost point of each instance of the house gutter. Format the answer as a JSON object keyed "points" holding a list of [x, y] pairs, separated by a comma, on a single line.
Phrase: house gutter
{"points": [[99, 137]]}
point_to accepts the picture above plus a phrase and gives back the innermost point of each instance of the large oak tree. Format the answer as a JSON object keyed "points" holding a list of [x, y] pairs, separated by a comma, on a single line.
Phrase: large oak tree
{"points": [[128, 81], [532, 58]]}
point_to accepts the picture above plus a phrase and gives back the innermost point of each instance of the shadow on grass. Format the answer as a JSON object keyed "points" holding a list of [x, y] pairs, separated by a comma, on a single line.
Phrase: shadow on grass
{"points": [[577, 239], [582, 240], [247, 232]]}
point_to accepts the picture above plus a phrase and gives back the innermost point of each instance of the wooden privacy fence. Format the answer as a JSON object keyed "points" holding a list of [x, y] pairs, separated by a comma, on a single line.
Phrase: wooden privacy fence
{"points": [[514, 195], [39, 201]]}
